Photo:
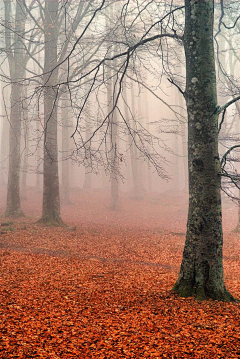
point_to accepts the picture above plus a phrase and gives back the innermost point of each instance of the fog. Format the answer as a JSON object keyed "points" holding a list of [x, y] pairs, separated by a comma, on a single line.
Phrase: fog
{"points": [[98, 125], [119, 178]]}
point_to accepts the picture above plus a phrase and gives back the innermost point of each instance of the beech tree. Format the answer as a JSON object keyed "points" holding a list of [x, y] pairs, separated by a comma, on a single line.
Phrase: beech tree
{"points": [[51, 199], [65, 148], [201, 271], [17, 60], [57, 23]]}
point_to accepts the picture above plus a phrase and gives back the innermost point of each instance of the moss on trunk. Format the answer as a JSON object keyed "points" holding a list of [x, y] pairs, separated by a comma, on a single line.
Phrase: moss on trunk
{"points": [[201, 273]]}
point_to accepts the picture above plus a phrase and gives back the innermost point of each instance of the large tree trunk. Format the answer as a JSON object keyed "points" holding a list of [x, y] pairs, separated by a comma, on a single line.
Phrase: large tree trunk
{"points": [[51, 200], [201, 272]]}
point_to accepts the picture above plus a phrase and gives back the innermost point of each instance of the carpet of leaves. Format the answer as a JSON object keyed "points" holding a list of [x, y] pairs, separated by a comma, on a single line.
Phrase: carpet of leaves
{"points": [[103, 289]]}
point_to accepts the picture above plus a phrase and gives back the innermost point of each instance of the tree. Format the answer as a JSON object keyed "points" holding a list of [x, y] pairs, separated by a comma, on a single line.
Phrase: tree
{"points": [[201, 271], [25, 150], [65, 148], [53, 17], [4, 138], [51, 199], [17, 60]]}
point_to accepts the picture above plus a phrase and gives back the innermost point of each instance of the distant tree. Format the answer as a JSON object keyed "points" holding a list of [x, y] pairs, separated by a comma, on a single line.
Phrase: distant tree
{"points": [[58, 28], [66, 120], [51, 199], [25, 141], [15, 18], [4, 138], [87, 184]]}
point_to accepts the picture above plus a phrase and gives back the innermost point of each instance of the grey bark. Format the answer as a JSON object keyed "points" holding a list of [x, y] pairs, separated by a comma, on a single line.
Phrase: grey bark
{"points": [[25, 148], [87, 184], [114, 148], [134, 152], [51, 200], [114, 161], [149, 169], [38, 153], [17, 62], [114, 165], [4, 138], [65, 149], [201, 272]]}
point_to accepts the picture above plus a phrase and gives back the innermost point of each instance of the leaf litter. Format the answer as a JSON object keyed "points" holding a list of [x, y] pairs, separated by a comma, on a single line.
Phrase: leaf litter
{"points": [[103, 289]]}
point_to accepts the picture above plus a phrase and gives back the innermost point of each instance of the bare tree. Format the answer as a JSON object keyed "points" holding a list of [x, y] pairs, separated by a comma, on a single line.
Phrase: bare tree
{"points": [[16, 55], [201, 271], [51, 200], [65, 147]]}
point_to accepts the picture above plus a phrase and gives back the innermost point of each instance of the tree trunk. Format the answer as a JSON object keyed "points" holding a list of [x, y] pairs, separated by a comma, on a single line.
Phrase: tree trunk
{"points": [[51, 200], [39, 155], [13, 189], [185, 156], [114, 164], [25, 149], [65, 149], [39, 152], [17, 62], [149, 169], [134, 151], [4, 139], [114, 150], [113, 119], [87, 184], [201, 272]]}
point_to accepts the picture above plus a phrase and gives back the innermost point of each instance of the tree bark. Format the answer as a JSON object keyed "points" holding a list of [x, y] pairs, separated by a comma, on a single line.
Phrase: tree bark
{"points": [[134, 151], [65, 149], [51, 199], [4, 139], [25, 150], [87, 184], [39, 155], [113, 120], [114, 164], [114, 149], [201, 272], [17, 62], [13, 188]]}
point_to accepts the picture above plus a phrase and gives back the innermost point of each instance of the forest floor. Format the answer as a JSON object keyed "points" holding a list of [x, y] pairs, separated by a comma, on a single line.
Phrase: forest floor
{"points": [[101, 288]]}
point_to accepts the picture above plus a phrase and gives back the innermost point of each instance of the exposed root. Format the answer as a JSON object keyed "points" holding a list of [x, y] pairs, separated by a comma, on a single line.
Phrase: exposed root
{"points": [[14, 213], [185, 288], [49, 221]]}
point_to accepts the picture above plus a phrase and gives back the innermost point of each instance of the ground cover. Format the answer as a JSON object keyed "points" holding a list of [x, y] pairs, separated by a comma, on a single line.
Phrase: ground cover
{"points": [[100, 288]]}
